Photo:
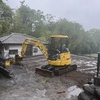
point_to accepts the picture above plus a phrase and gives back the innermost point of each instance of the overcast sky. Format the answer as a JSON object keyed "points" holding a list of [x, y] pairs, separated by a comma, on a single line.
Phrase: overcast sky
{"points": [[85, 12]]}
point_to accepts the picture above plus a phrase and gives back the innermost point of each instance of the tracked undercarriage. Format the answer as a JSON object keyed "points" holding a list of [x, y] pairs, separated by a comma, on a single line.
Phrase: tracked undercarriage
{"points": [[4, 72], [50, 71]]}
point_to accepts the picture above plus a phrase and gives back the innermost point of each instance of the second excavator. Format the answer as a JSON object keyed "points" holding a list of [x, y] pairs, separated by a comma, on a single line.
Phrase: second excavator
{"points": [[56, 53]]}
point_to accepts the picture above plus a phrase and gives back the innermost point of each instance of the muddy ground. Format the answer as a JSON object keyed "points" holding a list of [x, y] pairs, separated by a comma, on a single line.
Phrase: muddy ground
{"points": [[27, 85]]}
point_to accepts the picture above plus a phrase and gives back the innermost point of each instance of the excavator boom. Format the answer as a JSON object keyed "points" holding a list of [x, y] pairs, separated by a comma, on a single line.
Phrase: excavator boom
{"points": [[30, 41], [36, 43]]}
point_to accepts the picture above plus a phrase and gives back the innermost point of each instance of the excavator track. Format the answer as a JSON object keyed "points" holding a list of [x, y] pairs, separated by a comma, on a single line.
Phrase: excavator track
{"points": [[50, 71], [4, 72], [61, 70]]}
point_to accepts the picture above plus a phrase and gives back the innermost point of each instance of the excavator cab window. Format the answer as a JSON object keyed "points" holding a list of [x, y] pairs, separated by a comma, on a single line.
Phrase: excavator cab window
{"points": [[64, 45], [57, 46]]}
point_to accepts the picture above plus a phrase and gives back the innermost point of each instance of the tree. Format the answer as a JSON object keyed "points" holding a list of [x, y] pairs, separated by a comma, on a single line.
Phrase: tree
{"points": [[95, 35], [29, 20], [6, 18]]}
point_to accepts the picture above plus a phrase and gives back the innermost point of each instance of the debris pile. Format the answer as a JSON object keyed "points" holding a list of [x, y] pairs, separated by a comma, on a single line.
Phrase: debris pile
{"points": [[91, 90]]}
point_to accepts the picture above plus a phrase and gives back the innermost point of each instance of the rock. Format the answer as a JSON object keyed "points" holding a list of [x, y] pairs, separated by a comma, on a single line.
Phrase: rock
{"points": [[91, 81], [89, 89], [84, 96], [97, 92]]}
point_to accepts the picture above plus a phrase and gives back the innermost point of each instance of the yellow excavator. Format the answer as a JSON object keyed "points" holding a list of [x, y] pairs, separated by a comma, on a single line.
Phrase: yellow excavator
{"points": [[57, 55], [4, 63]]}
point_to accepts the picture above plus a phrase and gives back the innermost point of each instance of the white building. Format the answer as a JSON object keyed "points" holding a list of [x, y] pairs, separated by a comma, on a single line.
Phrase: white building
{"points": [[12, 44]]}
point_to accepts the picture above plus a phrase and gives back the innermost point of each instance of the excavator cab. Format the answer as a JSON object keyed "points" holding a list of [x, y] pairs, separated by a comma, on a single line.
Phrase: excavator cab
{"points": [[58, 52], [58, 45]]}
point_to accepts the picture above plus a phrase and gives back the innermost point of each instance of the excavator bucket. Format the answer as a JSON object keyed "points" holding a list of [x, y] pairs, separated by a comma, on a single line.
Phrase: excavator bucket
{"points": [[5, 72], [44, 72]]}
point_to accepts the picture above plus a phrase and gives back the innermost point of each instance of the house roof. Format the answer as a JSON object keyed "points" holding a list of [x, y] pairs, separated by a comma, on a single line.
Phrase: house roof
{"points": [[17, 38]]}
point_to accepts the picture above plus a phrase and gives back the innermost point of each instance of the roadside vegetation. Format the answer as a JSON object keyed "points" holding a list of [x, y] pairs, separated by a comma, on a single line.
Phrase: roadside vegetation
{"points": [[36, 23]]}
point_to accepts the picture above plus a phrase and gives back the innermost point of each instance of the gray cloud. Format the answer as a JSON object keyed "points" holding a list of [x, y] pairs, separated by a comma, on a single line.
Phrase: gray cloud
{"points": [[85, 12]]}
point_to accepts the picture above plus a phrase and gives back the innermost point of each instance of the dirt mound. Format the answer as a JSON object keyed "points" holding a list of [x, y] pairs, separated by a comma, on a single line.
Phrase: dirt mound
{"points": [[79, 78]]}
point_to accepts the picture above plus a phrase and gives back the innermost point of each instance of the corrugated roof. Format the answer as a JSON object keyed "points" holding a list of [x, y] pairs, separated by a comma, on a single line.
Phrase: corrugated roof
{"points": [[16, 38]]}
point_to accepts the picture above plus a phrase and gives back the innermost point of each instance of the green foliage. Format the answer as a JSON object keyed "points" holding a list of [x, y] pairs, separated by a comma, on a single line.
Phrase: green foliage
{"points": [[35, 23], [5, 18], [42, 38], [95, 35]]}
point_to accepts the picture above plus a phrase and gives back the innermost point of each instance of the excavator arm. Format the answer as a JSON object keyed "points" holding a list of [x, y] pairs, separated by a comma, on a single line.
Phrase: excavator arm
{"points": [[35, 43], [30, 41]]}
